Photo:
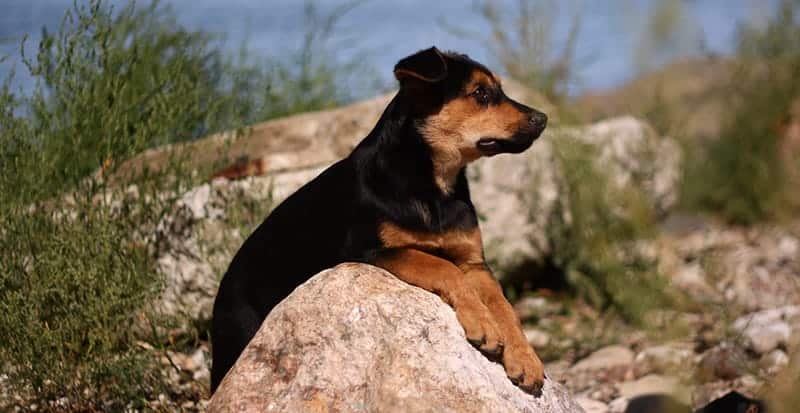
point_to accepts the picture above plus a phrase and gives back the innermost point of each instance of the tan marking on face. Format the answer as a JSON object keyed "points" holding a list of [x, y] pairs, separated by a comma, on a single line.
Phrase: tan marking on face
{"points": [[462, 247], [454, 131]]}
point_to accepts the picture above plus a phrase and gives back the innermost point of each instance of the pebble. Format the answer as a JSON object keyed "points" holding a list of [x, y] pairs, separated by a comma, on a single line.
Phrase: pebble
{"points": [[724, 362], [774, 360], [591, 405], [618, 405], [668, 357], [654, 384], [765, 338], [537, 338], [606, 358], [767, 330]]}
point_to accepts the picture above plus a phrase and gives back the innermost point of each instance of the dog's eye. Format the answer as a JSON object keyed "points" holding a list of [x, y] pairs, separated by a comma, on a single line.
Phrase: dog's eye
{"points": [[481, 95]]}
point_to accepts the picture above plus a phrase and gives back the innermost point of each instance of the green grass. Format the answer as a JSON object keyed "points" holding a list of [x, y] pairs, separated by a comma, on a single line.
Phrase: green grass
{"points": [[77, 273]]}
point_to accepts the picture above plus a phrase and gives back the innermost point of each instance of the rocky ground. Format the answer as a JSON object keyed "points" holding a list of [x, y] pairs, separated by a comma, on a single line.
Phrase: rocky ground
{"points": [[738, 332]]}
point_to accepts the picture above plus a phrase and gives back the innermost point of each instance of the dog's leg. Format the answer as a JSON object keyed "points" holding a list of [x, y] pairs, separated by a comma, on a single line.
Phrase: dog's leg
{"points": [[444, 279], [523, 366]]}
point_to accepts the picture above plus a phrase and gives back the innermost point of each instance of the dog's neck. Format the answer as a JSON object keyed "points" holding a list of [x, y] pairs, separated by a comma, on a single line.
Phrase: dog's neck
{"points": [[399, 165]]}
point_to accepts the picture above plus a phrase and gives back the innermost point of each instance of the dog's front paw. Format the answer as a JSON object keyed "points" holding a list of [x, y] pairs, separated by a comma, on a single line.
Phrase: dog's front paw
{"points": [[481, 329], [523, 367]]}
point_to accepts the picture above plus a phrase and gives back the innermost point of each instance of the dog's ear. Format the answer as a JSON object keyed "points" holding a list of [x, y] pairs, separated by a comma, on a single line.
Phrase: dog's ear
{"points": [[426, 65]]}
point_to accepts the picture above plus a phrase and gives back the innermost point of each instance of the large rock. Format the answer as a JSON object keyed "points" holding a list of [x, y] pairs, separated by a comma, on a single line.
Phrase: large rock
{"points": [[356, 339], [517, 194]]}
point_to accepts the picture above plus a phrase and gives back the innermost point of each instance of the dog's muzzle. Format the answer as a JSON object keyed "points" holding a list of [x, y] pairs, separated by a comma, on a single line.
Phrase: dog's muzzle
{"points": [[519, 142]]}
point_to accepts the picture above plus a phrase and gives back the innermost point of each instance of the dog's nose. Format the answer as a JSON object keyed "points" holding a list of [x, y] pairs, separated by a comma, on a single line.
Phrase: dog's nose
{"points": [[538, 120]]}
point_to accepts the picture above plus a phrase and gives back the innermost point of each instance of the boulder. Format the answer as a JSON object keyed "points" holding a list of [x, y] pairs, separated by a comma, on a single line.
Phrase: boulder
{"points": [[517, 195], [354, 338]]}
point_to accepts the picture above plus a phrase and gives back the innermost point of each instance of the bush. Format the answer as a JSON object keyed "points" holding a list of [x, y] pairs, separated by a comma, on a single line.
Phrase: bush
{"points": [[70, 289], [77, 272], [312, 78], [741, 175], [594, 231]]}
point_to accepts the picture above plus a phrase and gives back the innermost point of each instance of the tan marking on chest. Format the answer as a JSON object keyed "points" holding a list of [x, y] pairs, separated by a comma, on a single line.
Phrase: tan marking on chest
{"points": [[459, 246]]}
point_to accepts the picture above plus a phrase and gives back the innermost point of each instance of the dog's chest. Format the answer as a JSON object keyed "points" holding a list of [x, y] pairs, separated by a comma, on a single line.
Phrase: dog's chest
{"points": [[458, 245]]}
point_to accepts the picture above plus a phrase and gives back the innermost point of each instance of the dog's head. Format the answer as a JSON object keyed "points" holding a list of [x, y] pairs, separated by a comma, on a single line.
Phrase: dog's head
{"points": [[460, 110]]}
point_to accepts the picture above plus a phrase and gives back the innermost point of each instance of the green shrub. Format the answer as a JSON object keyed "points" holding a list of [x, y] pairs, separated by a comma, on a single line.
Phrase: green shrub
{"points": [[77, 273], [593, 231], [70, 289], [312, 78], [740, 175]]}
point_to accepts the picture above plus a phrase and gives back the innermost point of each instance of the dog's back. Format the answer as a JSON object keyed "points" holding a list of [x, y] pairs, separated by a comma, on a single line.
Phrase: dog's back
{"points": [[302, 236]]}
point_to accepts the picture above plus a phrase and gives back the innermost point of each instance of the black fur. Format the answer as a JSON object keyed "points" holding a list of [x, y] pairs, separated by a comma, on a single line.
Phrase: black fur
{"points": [[335, 217], [732, 402]]}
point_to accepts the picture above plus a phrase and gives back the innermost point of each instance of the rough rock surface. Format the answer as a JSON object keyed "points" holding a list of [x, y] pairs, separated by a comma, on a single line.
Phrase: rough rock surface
{"points": [[521, 191], [356, 339], [198, 240], [749, 268]]}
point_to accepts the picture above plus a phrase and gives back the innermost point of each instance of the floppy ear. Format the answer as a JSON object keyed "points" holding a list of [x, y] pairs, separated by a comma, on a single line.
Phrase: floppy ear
{"points": [[426, 65]]}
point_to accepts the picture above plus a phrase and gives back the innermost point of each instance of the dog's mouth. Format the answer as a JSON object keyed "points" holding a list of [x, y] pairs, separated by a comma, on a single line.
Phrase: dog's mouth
{"points": [[515, 144], [489, 146]]}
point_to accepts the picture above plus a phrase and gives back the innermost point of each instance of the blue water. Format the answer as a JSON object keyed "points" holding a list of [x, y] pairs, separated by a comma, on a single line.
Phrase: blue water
{"points": [[384, 31]]}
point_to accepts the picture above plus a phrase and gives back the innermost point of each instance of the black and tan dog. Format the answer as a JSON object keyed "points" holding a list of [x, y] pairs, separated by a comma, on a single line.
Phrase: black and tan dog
{"points": [[399, 201]]}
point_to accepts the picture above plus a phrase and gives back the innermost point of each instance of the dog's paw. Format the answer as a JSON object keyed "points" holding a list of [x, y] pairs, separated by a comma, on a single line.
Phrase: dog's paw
{"points": [[481, 330], [524, 368]]}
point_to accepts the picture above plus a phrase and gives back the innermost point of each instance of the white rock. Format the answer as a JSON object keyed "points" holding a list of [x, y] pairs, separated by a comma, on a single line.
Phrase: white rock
{"points": [[405, 352], [591, 405], [618, 405], [692, 279], [664, 358], [654, 384], [789, 248], [606, 358], [522, 191], [774, 360], [767, 338], [767, 330], [536, 337], [761, 318]]}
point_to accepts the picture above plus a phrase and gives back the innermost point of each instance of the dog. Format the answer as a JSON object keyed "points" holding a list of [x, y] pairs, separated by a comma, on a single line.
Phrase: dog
{"points": [[731, 402], [399, 201]]}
